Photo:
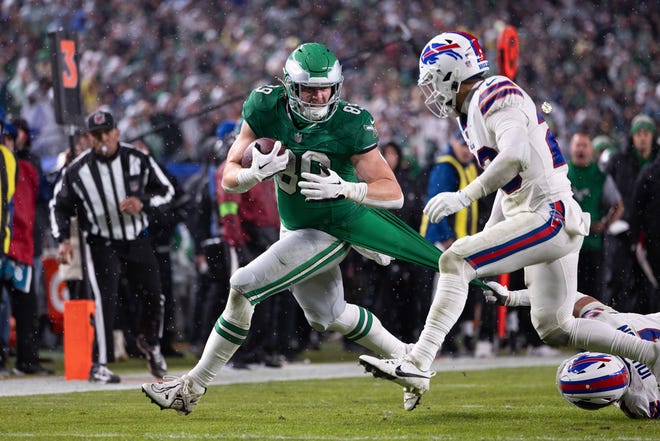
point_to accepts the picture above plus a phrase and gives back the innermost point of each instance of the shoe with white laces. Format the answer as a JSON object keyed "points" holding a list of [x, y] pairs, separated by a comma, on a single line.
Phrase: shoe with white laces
{"points": [[410, 400], [180, 394], [155, 360], [400, 370]]}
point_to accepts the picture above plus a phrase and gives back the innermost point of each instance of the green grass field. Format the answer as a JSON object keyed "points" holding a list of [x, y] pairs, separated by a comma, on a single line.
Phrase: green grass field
{"points": [[497, 404]]}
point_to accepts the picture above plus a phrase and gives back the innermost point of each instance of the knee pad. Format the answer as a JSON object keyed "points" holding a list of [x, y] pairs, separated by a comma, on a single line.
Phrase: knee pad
{"points": [[550, 330], [453, 263], [241, 279]]}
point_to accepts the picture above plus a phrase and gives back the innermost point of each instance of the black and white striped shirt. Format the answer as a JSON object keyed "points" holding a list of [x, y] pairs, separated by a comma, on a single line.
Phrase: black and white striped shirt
{"points": [[93, 186]]}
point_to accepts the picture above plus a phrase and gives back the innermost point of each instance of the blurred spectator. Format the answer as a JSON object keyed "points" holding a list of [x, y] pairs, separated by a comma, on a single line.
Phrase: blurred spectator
{"points": [[597, 195], [167, 127], [136, 126], [41, 226], [142, 49], [39, 113], [8, 177], [624, 284], [604, 148], [644, 214], [18, 264]]}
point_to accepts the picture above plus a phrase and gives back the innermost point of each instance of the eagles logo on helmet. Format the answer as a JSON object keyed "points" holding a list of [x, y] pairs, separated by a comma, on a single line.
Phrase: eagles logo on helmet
{"points": [[592, 380]]}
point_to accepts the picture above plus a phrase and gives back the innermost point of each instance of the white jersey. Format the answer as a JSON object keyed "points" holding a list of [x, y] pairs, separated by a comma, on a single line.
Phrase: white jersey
{"points": [[642, 399], [543, 179]]}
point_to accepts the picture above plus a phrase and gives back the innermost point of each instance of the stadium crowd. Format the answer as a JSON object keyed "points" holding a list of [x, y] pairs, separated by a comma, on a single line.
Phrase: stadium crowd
{"points": [[172, 71], [181, 57]]}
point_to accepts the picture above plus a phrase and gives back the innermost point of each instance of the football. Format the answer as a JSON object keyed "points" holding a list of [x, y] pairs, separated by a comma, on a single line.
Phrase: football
{"points": [[265, 145]]}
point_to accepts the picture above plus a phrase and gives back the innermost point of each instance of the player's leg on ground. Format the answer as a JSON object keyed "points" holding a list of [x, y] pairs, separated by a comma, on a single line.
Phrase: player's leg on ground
{"points": [[551, 288]]}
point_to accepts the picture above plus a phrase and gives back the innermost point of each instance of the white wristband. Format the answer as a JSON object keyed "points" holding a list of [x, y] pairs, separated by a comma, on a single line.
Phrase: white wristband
{"points": [[473, 191], [356, 191], [246, 179]]}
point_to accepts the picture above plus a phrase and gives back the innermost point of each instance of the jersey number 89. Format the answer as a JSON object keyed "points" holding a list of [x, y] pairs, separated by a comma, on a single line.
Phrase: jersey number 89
{"points": [[287, 180]]}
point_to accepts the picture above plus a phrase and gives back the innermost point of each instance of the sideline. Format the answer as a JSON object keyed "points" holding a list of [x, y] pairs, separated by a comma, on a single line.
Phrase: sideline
{"points": [[20, 386]]}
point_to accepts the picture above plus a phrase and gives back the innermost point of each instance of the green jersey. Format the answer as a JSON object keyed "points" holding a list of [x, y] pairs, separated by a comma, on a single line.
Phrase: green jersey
{"points": [[348, 132], [588, 185]]}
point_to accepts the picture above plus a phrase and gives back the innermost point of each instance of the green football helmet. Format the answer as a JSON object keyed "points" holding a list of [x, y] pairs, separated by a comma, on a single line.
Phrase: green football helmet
{"points": [[312, 65]]}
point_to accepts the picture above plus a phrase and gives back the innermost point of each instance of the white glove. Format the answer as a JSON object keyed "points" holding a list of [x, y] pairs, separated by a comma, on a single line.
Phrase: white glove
{"points": [[444, 204], [264, 165], [499, 294], [328, 185]]}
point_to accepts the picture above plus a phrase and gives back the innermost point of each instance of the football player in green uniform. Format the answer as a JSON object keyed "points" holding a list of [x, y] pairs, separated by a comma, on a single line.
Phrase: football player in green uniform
{"points": [[324, 211]]}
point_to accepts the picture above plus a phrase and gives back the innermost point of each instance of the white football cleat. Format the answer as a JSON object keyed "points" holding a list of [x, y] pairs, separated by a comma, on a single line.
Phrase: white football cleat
{"points": [[410, 400], [399, 370], [180, 394]]}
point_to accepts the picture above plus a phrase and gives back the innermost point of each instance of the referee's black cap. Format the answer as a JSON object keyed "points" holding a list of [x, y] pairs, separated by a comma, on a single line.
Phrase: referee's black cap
{"points": [[100, 120]]}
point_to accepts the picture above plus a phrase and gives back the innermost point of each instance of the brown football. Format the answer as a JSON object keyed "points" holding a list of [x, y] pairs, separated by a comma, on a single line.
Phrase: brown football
{"points": [[265, 145]]}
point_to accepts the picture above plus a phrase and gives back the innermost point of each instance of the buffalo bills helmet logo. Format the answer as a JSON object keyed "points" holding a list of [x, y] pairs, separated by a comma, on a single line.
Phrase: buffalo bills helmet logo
{"points": [[584, 361], [433, 50]]}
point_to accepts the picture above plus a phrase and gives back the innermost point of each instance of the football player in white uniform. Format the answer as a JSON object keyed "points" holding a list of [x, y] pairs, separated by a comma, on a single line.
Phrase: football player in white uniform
{"points": [[641, 398], [535, 223]]}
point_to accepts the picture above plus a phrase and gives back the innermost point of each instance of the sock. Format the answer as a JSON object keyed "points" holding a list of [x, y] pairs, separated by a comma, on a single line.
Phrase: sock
{"points": [[448, 303], [362, 327], [229, 332]]}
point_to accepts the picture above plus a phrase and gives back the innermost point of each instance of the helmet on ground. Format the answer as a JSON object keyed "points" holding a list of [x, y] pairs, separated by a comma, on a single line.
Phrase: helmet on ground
{"points": [[312, 65], [446, 61], [591, 380]]}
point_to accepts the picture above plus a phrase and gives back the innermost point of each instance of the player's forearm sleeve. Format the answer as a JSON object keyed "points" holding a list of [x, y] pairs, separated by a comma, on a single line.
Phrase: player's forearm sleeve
{"points": [[512, 140]]}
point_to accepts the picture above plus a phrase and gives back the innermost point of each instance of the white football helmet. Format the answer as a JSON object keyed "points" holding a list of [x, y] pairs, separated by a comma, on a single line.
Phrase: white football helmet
{"points": [[447, 60], [591, 380], [312, 65]]}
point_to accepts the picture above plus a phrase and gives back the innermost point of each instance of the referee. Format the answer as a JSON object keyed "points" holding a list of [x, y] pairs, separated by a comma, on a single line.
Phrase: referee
{"points": [[113, 187]]}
